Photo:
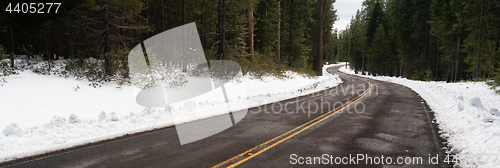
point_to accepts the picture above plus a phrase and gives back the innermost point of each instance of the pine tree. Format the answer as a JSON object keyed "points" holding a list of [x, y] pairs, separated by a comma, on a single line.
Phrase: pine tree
{"points": [[392, 35], [298, 16], [479, 48], [377, 19], [318, 59], [378, 51], [356, 36], [115, 16], [266, 27]]}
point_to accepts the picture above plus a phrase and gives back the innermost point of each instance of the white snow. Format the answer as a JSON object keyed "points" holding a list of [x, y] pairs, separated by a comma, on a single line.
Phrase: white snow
{"points": [[73, 119], [467, 114], [476, 102], [42, 113], [12, 129]]}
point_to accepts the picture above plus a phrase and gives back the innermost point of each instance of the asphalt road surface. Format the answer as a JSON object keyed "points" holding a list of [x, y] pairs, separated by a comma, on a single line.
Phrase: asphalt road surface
{"points": [[360, 123]]}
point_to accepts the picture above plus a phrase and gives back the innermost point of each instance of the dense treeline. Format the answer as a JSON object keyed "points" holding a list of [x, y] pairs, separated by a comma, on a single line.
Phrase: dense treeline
{"points": [[448, 40], [262, 35]]}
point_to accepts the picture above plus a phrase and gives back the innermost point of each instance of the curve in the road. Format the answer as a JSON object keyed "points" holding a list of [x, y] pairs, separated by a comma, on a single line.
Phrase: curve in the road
{"points": [[249, 154], [396, 123]]}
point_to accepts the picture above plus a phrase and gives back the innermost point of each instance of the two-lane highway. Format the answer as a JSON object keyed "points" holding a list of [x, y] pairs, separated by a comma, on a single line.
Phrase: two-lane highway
{"points": [[359, 118]]}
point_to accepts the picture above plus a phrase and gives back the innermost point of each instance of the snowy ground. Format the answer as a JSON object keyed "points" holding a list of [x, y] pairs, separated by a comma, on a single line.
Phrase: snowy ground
{"points": [[467, 114], [41, 113]]}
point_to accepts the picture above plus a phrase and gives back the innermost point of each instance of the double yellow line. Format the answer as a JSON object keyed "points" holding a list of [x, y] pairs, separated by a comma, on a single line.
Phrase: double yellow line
{"points": [[247, 155]]}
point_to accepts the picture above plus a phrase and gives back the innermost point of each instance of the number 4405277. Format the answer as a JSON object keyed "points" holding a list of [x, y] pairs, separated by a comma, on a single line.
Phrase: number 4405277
{"points": [[33, 7]]}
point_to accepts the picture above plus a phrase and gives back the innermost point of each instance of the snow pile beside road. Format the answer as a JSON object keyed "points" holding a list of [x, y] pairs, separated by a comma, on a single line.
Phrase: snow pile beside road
{"points": [[41, 113], [467, 114], [12, 129]]}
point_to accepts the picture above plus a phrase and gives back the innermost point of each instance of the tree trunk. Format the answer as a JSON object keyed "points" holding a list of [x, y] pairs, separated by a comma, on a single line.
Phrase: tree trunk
{"points": [[106, 30], [338, 53], [184, 61], [319, 56], [48, 49], [378, 67], [222, 33], [368, 67], [457, 65], [448, 73], [13, 53], [278, 54], [430, 53], [183, 12], [363, 62], [250, 32], [401, 68], [107, 62], [162, 16], [203, 25], [290, 34], [265, 33], [478, 73], [56, 50], [437, 62], [458, 51]]}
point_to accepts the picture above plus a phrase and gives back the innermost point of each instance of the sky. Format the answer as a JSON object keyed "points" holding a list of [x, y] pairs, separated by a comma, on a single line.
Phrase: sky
{"points": [[345, 10]]}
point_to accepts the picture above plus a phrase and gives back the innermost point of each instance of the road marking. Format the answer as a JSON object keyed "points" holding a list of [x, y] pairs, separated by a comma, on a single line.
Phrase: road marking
{"points": [[313, 121]]}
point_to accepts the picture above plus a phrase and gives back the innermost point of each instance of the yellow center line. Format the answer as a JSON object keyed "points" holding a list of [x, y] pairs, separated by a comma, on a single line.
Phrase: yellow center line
{"points": [[320, 118], [281, 135]]}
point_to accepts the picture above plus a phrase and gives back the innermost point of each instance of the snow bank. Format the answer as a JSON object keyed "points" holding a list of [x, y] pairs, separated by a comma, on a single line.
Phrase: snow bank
{"points": [[467, 114], [476, 102], [73, 119], [12, 129], [46, 113]]}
